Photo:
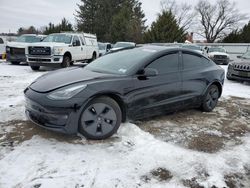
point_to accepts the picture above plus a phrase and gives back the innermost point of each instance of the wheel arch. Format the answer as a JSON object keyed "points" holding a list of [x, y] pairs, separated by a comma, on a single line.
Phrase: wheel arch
{"points": [[218, 84], [68, 54]]}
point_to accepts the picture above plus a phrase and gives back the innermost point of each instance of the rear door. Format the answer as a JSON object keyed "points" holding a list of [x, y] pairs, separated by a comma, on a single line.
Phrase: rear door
{"points": [[158, 94], [194, 82]]}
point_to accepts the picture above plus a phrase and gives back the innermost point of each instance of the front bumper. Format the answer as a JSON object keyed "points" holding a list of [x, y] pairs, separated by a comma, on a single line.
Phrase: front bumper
{"points": [[58, 116], [53, 61], [238, 75], [16, 57]]}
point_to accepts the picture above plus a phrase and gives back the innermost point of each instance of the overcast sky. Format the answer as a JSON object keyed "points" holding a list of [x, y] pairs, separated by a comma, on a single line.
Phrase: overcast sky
{"points": [[23, 13]]}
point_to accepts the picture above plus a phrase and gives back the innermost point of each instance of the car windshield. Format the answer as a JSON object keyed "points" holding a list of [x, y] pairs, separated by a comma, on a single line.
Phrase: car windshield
{"points": [[28, 39], [101, 46], [60, 38], [123, 45], [192, 47], [217, 50], [246, 55], [121, 63]]}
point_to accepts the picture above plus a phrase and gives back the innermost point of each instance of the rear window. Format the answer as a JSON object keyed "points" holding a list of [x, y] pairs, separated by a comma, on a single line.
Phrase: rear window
{"points": [[191, 61]]}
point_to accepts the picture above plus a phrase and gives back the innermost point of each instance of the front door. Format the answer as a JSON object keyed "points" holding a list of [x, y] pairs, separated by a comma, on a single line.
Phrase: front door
{"points": [[158, 94]]}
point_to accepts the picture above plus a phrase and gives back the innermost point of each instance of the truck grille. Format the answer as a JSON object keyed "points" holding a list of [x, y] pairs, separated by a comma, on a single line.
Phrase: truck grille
{"points": [[220, 57], [17, 51], [39, 51]]}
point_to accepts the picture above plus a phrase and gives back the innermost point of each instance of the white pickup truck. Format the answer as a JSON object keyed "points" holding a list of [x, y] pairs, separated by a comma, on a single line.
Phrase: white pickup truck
{"points": [[62, 49]]}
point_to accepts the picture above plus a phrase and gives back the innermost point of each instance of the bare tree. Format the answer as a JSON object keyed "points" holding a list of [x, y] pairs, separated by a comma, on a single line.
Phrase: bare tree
{"points": [[216, 20], [183, 12]]}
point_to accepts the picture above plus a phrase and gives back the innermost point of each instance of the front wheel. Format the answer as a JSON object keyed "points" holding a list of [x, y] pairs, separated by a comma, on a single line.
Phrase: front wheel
{"points": [[211, 98], [100, 118], [35, 68], [66, 62]]}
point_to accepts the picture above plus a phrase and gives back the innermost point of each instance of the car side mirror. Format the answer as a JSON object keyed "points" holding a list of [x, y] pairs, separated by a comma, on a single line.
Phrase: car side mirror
{"points": [[150, 72]]}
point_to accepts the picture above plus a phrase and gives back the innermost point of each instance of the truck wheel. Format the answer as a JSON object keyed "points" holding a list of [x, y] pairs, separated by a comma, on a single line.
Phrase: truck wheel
{"points": [[35, 68], [15, 62], [66, 62], [93, 58]]}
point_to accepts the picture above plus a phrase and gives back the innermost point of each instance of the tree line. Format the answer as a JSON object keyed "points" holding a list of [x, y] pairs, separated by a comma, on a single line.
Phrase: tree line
{"points": [[124, 20]]}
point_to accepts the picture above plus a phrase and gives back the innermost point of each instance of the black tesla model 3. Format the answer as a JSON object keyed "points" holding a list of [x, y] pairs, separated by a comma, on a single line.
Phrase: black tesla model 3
{"points": [[127, 85]]}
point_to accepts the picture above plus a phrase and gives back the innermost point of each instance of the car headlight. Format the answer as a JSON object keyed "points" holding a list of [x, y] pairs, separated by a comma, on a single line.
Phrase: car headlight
{"points": [[66, 92], [58, 51]]}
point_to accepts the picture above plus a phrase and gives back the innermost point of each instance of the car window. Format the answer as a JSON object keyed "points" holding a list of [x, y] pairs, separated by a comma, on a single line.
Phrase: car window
{"points": [[166, 64], [82, 41], [1, 41], [191, 61], [76, 41]]}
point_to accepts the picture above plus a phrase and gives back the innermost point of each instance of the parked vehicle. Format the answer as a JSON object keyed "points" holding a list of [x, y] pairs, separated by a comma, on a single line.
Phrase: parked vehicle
{"points": [[129, 84], [2, 47], [193, 47], [218, 55], [103, 48], [122, 45], [240, 69], [15, 51], [63, 49]]}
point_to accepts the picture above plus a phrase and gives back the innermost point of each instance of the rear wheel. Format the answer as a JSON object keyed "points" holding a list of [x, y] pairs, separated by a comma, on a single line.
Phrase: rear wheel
{"points": [[100, 119], [211, 98], [93, 58], [66, 61], [35, 67], [15, 62]]}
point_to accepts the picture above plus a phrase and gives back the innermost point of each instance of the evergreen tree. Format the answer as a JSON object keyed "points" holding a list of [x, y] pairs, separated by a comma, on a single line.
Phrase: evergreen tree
{"points": [[65, 25], [242, 36], [165, 29], [112, 20]]}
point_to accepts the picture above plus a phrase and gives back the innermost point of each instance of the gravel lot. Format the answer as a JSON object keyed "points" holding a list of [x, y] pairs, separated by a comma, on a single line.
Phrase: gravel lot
{"points": [[184, 149]]}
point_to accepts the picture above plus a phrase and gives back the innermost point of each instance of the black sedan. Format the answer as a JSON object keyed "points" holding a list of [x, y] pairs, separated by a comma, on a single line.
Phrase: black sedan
{"points": [[240, 69], [127, 85]]}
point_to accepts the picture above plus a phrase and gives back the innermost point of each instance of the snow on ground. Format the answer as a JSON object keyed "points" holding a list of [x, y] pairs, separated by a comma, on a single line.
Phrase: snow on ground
{"points": [[128, 159]]}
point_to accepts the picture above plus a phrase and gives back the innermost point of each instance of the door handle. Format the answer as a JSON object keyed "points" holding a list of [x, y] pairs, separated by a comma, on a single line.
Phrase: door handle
{"points": [[81, 48]]}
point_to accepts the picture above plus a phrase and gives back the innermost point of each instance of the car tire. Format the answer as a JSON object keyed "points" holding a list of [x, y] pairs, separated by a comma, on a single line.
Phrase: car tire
{"points": [[229, 78], [15, 62], [66, 61], [100, 118], [211, 98], [35, 68]]}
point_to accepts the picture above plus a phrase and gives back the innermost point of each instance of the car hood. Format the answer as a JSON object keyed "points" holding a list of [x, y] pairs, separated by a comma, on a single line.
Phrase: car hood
{"points": [[242, 62], [18, 44], [64, 77], [218, 53], [49, 44]]}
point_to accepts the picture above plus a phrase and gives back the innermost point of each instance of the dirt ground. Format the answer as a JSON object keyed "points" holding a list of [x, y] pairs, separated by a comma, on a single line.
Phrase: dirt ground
{"points": [[192, 129]]}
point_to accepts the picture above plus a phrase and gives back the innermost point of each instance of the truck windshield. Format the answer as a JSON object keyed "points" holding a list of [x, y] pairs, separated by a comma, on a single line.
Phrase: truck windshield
{"points": [[28, 39], [217, 50], [61, 38]]}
